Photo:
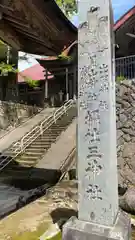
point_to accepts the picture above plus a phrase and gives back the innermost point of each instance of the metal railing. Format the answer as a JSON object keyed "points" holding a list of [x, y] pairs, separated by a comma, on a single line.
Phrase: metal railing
{"points": [[125, 67], [20, 146]]}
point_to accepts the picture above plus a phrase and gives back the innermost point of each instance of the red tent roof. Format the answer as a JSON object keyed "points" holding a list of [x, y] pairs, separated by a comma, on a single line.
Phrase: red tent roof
{"points": [[36, 72]]}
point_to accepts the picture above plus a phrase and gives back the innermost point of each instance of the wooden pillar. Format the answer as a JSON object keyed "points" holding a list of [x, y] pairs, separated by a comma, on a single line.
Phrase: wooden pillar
{"points": [[67, 85], [46, 85], [74, 83]]}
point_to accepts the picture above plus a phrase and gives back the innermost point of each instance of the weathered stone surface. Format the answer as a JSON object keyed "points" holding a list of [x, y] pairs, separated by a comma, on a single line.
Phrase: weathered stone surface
{"points": [[122, 90], [124, 103], [12, 114], [75, 229], [127, 201], [120, 141], [133, 139], [126, 83], [133, 112], [128, 131], [125, 98], [128, 111], [133, 119], [128, 124], [127, 137], [119, 125], [96, 133], [119, 134], [123, 118], [129, 150]]}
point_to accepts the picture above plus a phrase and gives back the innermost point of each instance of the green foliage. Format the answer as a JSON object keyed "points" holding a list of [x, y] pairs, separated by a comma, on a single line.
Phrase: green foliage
{"points": [[120, 78], [32, 83], [1, 42], [7, 68], [10, 68], [64, 57], [69, 7]]}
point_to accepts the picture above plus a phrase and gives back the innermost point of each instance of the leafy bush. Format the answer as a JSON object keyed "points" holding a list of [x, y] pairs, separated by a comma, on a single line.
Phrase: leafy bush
{"points": [[64, 57], [32, 83], [7, 68], [120, 78]]}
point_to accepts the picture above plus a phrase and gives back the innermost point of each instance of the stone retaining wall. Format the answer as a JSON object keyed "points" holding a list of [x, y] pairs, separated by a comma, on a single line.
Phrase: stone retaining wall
{"points": [[13, 114], [125, 109]]}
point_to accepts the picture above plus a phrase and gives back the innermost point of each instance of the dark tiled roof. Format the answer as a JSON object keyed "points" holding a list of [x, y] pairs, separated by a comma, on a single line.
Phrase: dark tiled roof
{"points": [[37, 27]]}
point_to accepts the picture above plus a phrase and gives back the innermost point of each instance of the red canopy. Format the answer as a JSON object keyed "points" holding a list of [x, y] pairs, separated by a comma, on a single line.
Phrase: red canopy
{"points": [[36, 72]]}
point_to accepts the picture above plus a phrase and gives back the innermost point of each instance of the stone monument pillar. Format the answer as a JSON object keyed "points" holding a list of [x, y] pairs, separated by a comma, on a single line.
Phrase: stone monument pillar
{"points": [[98, 213]]}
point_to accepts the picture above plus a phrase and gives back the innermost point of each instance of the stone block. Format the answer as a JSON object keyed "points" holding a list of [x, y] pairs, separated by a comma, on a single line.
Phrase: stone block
{"points": [[75, 229]]}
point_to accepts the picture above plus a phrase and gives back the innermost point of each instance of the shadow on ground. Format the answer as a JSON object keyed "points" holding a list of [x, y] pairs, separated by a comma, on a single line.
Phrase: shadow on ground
{"points": [[21, 185], [61, 215]]}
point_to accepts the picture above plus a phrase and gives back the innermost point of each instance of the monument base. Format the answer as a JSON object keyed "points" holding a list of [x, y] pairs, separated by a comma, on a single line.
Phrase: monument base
{"points": [[75, 229]]}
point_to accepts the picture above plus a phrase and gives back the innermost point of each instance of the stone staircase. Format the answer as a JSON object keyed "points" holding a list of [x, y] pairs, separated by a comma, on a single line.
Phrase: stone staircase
{"points": [[37, 149]]}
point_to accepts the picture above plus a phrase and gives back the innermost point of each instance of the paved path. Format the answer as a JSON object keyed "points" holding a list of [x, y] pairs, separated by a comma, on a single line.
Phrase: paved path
{"points": [[20, 131], [56, 155], [37, 215]]}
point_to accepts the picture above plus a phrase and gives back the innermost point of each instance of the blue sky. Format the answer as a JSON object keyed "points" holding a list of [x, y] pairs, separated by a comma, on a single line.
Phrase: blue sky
{"points": [[119, 7]]}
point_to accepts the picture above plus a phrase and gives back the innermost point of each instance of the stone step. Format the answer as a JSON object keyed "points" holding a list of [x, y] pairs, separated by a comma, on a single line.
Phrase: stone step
{"points": [[40, 148], [52, 133], [46, 137], [27, 164], [27, 160], [62, 126], [45, 141], [62, 123], [10, 153], [35, 149], [55, 127], [39, 143], [31, 162], [34, 152], [27, 157]]}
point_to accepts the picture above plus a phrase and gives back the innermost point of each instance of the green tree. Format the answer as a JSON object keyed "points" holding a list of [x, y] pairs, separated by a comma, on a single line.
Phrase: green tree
{"points": [[6, 68], [69, 7]]}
